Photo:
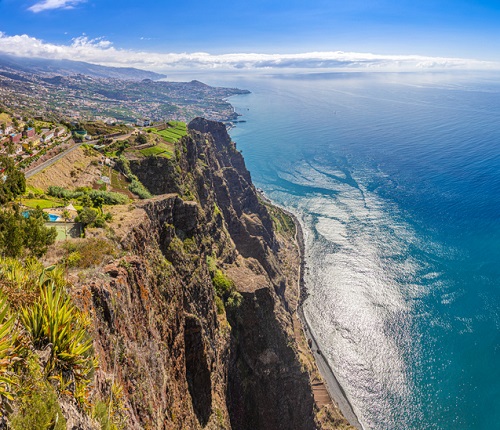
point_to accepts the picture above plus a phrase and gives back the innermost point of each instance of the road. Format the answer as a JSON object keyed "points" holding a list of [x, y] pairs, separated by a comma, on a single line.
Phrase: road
{"points": [[31, 172], [51, 161]]}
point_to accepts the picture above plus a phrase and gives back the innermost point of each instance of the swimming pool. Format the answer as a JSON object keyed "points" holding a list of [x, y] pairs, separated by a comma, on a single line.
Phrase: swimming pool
{"points": [[52, 217]]}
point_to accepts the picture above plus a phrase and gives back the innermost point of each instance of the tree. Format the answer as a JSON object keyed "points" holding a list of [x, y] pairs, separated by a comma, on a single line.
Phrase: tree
{"points": [[87, 216], [141, 139], [20, 234], [37, 237], [10, 148], [86, 200], [97, 201], [12, 180], [66, 215], [11, 235]]}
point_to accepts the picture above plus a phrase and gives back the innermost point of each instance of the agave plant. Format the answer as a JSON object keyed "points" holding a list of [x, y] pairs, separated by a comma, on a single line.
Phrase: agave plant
{"points": [[55, 321], [7, 348], [33, 320]]}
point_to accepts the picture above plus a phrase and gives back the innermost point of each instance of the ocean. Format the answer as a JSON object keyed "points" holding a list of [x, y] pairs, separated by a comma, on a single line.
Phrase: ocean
{"points": [[396, 179]]}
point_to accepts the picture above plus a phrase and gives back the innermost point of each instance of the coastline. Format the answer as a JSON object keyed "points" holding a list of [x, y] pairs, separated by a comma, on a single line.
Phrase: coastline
{"points": [[335, 390]]}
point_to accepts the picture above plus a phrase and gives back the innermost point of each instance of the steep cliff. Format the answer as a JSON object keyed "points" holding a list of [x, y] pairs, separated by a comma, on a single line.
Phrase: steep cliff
{"points": [[194, 320]]}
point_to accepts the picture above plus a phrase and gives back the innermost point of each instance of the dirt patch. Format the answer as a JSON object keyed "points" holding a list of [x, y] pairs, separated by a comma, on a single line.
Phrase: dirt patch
{"points": [[125, 218], [78, 169]]}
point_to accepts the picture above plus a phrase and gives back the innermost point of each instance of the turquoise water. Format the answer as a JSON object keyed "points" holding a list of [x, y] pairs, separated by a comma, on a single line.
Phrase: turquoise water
{"points": [[397, 181], [52, 217]]}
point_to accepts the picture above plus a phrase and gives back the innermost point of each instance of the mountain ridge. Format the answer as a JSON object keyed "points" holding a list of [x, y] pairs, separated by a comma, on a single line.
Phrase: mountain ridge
{"points": [[51, 67]]}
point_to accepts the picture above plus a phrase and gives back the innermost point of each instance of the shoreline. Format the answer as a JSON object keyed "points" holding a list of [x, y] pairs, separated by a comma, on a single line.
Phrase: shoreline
{"points": [[335, 390]]}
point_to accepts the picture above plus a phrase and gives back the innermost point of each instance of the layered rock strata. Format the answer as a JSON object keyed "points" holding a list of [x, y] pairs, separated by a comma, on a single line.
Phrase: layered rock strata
{"points": [[185, 360]]}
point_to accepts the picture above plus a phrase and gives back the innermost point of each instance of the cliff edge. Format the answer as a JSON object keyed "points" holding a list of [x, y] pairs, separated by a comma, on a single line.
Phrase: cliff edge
{"points": [[194, 316]]}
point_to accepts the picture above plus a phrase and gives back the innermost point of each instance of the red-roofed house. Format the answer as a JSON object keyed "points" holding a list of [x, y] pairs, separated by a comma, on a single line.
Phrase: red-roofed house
{"points": [[30, 132], [15, 137]]}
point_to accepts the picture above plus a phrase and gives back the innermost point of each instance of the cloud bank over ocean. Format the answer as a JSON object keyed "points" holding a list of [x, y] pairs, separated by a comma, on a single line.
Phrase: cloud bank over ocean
{"points": [[102, 51]]}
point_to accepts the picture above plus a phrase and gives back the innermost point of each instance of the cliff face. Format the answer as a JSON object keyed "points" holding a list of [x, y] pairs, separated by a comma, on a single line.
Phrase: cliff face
{"points": [[184, 360]]}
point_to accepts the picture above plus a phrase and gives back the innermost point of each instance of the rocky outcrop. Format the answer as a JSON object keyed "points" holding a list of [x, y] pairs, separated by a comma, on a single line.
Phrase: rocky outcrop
{"points": [[183, 362]]}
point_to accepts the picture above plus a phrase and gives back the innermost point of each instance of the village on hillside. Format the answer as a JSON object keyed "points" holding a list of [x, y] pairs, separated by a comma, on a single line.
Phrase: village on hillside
{"points": [[25, 139]]}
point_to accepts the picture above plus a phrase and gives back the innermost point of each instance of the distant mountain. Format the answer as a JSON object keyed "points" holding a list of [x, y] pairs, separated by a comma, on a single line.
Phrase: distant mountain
{"points": [[41, 66]]}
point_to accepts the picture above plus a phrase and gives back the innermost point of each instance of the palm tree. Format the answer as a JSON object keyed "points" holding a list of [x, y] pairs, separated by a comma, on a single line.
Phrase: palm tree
{"points": [[66, 215]]}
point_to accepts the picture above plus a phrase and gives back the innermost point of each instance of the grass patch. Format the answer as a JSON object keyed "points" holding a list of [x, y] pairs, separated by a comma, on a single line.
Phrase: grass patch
{"points": [[160, 150], [38, 409], [118, 181], [283, 223], [33, 190], [98, 128], [5, 118], [226, 295], [43, 203]]}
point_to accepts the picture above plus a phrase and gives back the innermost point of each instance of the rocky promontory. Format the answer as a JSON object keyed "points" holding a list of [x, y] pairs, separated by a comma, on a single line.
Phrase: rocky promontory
{"points": [[191, 306]]}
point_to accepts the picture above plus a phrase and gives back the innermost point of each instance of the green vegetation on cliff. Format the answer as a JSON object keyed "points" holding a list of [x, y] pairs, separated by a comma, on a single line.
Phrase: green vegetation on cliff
{"points": [[226, 295], [173, 132]]}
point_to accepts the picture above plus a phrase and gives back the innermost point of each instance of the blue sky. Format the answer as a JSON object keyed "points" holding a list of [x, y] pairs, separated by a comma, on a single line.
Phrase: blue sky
{"points": [[440, 28]]}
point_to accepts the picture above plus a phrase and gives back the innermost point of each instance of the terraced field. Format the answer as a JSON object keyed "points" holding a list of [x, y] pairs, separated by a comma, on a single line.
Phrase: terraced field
{"points": [[173, 133], [160, 150]]}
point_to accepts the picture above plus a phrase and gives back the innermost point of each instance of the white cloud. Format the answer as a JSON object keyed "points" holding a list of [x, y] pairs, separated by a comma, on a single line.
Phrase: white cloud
{"points": [[102, 51], [54, 4]]}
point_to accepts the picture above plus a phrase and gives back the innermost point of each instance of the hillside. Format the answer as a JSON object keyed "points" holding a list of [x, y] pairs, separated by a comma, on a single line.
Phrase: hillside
{"points": [[190, 301]]}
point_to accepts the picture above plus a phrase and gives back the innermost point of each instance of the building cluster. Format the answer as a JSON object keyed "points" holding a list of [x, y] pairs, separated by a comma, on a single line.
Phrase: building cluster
{"points": [[20, 140]]}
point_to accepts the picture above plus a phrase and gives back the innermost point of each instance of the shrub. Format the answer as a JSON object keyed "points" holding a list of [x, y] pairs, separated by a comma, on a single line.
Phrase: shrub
{"points": [[88, 252], [135, 186], [139, 189], [20, 280], [111, 414], [219, 304], [226, 294], [39, 410], [141, 139], [109, 197], [234, 300], [222, 284], [190, 245], [74, 259], [62, 193]]}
